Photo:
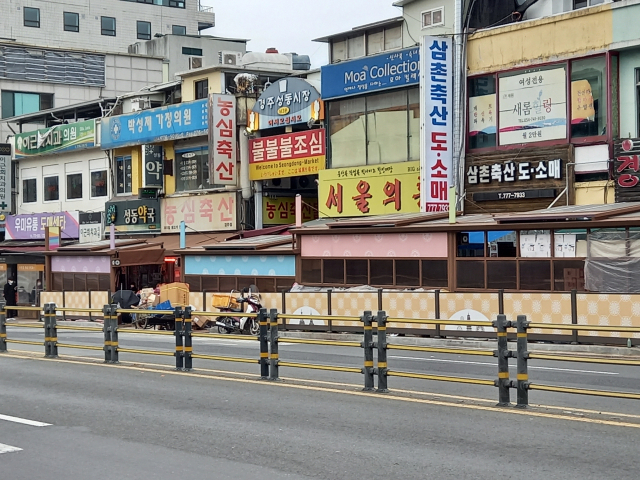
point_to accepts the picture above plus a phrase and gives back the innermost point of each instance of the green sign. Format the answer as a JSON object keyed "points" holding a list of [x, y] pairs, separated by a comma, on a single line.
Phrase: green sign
{"points": [[61, 138]]}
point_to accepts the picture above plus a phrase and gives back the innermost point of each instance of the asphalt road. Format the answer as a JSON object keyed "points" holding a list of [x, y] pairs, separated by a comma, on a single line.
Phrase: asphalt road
{"points": [[565, 374], [133, 423]]}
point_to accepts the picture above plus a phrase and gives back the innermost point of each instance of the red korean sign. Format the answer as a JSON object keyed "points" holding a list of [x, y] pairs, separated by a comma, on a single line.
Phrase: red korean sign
{"points": [[290, 155], [626, 170], [201, 213], [222, 140]]}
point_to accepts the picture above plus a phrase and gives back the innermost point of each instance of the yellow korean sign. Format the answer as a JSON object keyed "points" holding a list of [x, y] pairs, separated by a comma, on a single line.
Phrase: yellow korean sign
{"points": [[370, 190], [282, 210]]}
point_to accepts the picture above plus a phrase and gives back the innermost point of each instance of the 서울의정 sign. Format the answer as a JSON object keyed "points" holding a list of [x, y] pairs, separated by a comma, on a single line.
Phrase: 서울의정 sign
{"points": [[289, 155], [533, 106], [370, 190], [436, 161], [133, 215], [282, 210], [201, 213], [288, 101], [32, 226], [370, 74], [156, 125], [222, 138], [61, 138]]}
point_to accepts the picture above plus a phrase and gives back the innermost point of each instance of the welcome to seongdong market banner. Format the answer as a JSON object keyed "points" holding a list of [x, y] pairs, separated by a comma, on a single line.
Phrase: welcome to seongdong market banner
{"points": [[61, 138]]}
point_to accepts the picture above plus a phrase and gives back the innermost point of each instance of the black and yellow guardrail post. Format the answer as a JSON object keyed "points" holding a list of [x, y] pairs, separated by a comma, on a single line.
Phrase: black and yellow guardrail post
{"points": [[437, 312], [522, 383], [188, 340], [367, 345], [264, 344], [114, 335], [574, 316], [3, 327], [106, 330], [274, 373], [179, 333], [50, 331], [381, 320], [503, 354]]}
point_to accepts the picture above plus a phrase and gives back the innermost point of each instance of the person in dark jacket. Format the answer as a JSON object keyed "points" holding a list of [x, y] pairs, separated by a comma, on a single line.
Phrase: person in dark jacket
{"points": [[10, 297]]}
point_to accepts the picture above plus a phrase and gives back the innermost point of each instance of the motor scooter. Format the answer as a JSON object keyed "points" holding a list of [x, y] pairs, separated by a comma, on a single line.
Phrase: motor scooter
{"points": [[236, 324]]}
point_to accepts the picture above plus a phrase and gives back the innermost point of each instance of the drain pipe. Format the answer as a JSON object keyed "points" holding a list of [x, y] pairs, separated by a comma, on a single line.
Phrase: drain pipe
{"points": [[459, 103]]}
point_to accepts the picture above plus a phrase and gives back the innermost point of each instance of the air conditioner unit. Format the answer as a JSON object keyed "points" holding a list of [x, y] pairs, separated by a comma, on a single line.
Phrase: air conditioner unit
{"points": [[230, 58], [195, 62], [142, 103], [306, 182], [277, 183]]}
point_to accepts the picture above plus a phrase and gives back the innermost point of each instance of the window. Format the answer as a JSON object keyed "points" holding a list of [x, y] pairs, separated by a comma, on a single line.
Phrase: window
{"points": [[144, 30], [312, 271], [357, 272], [99, 184], [433, 18], [470, 274], [192, 166], [71, 22], [408, 273], [355, 47], [382, 128], [381, 272], [164, 3], [375, 42], [29, 191], [586, 3], [51, 192], [108, 26], [179, 30], [338, 51], [333, 272], [20, 103], [123, 175], [393, 37], [470, 244], [435, 273], [31, 17], [589, 97], [202, 88], [74, 186], [482, 112], [197, 52]]}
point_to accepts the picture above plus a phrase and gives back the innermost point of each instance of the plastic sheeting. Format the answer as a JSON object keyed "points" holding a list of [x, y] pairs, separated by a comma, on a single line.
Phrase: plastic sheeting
{"points": [[613, 262]]}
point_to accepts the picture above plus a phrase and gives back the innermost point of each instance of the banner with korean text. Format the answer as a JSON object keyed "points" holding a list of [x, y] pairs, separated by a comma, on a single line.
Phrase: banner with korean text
{"points": [[370, 190], [533, 106], [201, 213], [289, 155], [436, 116], [5, 177], [222, 140]]}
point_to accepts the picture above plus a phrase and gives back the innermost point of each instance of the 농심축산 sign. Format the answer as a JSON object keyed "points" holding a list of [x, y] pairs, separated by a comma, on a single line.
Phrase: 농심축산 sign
{"points": [[201, 213], [222, 138]]}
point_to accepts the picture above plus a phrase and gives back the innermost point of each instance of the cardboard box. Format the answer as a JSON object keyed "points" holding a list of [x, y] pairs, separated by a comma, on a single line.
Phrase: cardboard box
{"points": [[224, 300], [177, 293]]}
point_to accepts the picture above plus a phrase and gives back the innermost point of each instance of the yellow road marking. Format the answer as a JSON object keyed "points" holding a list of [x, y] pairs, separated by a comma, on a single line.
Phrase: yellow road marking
{"points": [[511, 411]]}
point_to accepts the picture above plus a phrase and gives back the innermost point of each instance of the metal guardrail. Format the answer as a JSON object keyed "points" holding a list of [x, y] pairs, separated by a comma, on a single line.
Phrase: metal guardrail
{"points": [[269, 360]]}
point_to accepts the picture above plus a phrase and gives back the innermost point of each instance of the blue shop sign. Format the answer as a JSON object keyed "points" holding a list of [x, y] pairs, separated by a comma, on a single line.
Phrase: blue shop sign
{"points": [[173, 122], [371, 74]]}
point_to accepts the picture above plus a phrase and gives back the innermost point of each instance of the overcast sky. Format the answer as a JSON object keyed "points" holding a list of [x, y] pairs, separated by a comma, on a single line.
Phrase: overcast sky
{"points": [[291, 25]]}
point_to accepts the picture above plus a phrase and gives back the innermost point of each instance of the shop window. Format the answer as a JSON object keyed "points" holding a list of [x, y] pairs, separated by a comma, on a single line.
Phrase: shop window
{"points": [[387, 129], [535, 275], [266, 285], [227, 283], [202, 88], [193, 170], [144, 30], [470, 244], [408, 273], [589, 97], [93, 283], [80, 282], [502, 274], [105, 282], [108, 26], [99, 184], [502, 244], [470, 274], [67, 282], [357, 272], [435, 274], [29, 191], [333, 271], [209, 284], [347, 129], [74, 186], [482, 112], [124, 175], [71, 22], [414, 124], [31, 17], [535, 243], [381, 272], [311, 271], [570, 243], [57, 282], [51, 192], [284, 284], [568, 275]]}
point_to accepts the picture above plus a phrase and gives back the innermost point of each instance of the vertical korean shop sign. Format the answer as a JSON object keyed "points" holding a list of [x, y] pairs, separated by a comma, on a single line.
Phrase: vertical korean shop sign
{"points": [[436, 159], [533, 106], [626, 169], [5, 177], [222, 140], [153, 166]]}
